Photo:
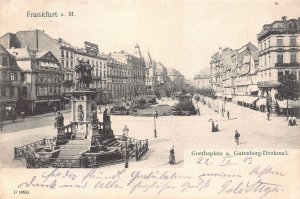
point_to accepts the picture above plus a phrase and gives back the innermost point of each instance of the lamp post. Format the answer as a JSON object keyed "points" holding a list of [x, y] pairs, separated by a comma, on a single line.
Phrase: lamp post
{"points": [[155, 116], [125, 135]]}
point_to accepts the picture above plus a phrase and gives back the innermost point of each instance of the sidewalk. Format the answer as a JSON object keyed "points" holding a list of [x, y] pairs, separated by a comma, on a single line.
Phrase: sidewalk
{"points": [[48, 114]]}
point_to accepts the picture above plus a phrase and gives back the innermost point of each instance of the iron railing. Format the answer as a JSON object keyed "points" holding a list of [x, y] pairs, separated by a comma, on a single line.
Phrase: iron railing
{"points": [[19, 151], [141, 147]]}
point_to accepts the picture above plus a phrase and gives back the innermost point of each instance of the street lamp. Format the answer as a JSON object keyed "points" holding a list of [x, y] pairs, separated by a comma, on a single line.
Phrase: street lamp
{"points": [[125, 135], [155, 117]]}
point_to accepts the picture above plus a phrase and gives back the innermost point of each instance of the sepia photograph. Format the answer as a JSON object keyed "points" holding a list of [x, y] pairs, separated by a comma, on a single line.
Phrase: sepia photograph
{"points": [[149, 98]]}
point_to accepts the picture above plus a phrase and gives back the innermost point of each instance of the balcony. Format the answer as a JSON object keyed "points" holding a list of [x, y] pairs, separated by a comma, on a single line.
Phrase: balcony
{"points": [[287, 64]]}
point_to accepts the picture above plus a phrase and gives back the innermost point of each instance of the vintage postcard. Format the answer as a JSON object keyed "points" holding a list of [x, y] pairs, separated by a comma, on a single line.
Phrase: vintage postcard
{"points": [[149, 99]]}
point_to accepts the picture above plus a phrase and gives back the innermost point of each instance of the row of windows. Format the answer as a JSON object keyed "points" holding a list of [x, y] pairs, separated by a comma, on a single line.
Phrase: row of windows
{"points": [[68, 64], [67, 54], [47, 78], [280, 58], [11, 92], [286, 72], [48, 90], [9, 76], [279, 42]]}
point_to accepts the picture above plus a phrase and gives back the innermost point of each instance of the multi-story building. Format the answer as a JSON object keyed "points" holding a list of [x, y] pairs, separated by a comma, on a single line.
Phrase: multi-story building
{"points": [[38, 40], [41, 80], [245, 67], [10, 84], [279, 54], [218, 70], [118, 75], [136, 69]]}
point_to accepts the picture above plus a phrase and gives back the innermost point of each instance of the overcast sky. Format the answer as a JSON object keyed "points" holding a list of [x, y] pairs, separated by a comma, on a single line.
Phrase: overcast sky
{"points": [[180, 34]]}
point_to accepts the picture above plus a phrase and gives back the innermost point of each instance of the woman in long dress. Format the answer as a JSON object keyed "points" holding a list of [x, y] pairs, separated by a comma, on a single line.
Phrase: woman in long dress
{"points": [[172, 156]]}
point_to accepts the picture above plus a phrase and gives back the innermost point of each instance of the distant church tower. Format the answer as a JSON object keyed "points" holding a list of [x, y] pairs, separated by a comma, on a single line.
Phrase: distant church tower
{"points": [[137, 51]]}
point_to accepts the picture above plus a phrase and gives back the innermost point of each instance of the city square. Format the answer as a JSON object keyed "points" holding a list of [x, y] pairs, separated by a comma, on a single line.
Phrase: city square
{"points": [[149, 99], [182, 132]]}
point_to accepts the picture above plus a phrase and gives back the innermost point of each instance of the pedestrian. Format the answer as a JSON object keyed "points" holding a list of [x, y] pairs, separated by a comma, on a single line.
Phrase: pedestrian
{"points": [[212, 126], [198, 111], [172, 156], [237, 137], [290, 121], [294, 121], [216, 126], [13, 117], [268, 115], [228, 114], [156, 114], [23, 115]]}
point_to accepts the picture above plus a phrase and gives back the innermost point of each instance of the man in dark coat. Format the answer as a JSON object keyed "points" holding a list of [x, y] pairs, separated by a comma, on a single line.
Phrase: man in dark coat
{"points": [[228, 114], [237, 137]]}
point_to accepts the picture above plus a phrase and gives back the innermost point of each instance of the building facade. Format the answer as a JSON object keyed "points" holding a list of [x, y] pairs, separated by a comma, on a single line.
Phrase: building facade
{"points": [[42, 76], [68, 55], [10, 84], [279, 54], [117, 72]]}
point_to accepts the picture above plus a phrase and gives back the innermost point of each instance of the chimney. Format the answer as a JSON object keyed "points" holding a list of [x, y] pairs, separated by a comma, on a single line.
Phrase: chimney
{"points": [[284, 18]]}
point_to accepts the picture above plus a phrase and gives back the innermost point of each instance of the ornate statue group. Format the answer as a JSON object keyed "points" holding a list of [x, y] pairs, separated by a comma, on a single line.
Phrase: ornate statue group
{"points": [[83, 74]]}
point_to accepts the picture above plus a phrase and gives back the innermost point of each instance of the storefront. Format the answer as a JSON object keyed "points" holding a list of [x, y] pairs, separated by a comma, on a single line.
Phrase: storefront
{"points": [[292, 106]]}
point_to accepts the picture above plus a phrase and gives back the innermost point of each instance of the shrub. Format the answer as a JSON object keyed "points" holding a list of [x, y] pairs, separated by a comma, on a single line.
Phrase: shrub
{"points": [[185, 106], [138, 104]]}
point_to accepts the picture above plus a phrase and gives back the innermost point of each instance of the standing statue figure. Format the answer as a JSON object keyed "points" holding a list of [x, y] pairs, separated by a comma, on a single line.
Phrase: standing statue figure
{"points": [[106, 117], [88, 74], [80, 113], [94, 119], [59, 120], [83, 74]]}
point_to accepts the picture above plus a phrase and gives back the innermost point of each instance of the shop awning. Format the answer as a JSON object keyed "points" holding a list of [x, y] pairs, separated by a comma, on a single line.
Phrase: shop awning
{"points": [[292, 103], [261, 101], [249, 99]]}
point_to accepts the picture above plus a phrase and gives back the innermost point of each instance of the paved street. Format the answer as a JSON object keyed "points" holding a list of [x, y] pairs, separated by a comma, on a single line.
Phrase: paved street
{"points": [[184, 132]]}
